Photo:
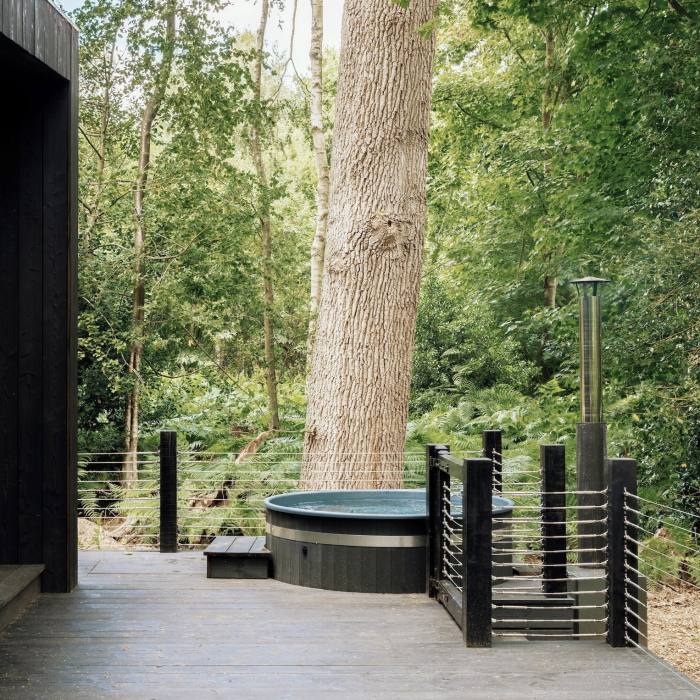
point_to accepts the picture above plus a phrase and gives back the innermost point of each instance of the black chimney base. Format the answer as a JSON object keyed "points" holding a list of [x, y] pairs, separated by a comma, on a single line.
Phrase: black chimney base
{"points": [[591, 449]]}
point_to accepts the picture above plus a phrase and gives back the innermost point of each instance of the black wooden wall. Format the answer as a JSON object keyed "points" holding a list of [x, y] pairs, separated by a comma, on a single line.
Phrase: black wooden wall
{"points": [[38, 272]]}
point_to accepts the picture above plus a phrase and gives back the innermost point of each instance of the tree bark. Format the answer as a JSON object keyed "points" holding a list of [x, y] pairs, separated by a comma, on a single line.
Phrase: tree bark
{"points": [[148, 117], [360, 375], [318, 246], [550, 292], [265, 233]]}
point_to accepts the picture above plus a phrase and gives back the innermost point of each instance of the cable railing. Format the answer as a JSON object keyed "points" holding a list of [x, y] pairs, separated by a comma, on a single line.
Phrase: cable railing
{"points": [[526, 557], [547, 562], [458, 494], [662, 576], [514, 480], [115, 509], [556, 581], [169, 499], [452, 533], [543, 562], [552, 591]]}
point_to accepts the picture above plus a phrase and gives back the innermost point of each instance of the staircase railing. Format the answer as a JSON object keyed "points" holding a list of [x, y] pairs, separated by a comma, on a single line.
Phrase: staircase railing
{"points": [[548, 562]]}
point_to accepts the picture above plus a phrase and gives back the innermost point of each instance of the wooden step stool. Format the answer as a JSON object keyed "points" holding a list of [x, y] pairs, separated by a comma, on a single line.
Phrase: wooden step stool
{"points": [[238, 557]]}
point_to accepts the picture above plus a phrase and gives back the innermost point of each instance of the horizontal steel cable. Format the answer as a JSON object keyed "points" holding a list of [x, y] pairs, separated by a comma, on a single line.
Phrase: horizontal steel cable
{"points": [[685, 514], [549, 551], [603, 577], [496, 620], [677, 559], [558, 522], [543, 635], [558, 596], [549, 607], [656, 568]]}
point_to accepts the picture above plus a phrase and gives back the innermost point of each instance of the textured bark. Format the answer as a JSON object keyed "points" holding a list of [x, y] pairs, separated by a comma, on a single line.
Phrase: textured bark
{"points": [[265, 233], [360, 375], [148, 117], [550, 292], [318, 246]]}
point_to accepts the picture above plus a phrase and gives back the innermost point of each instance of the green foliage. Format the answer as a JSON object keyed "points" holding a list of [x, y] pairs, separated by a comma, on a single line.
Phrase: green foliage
{"points": [[460, 348], [202, 269], [526, 421], [211, 417], [564, 142]]}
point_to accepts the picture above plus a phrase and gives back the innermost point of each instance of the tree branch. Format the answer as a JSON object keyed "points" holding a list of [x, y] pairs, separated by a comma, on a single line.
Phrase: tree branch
{"points": [[512, 45], [677, 7], [477, 118], [91, 144]]}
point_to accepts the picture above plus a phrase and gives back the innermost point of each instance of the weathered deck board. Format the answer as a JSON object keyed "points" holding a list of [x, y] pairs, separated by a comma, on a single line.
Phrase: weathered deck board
{"points": [[151, 625]]}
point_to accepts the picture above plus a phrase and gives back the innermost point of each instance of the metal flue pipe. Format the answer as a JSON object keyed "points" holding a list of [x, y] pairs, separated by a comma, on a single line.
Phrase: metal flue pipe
{"points": [[589, 343], [591, 431]]}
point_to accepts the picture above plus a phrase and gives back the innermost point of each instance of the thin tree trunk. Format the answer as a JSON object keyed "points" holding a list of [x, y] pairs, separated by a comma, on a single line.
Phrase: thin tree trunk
{"points": [[547, 97], [265, 233], [318, 246], [100, 149], [150, 112], [548, 100], [360, 375]]}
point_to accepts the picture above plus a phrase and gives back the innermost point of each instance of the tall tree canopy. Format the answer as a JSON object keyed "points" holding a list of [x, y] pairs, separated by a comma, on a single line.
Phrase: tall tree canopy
{"points": [[563, 141]]}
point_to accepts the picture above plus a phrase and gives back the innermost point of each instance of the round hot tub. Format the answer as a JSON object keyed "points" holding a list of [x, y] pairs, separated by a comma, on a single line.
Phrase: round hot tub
{"points": [[371, 541]]}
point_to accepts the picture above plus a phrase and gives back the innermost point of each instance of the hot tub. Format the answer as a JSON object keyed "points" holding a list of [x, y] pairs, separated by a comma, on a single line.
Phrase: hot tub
{"points": [[371, 541]]}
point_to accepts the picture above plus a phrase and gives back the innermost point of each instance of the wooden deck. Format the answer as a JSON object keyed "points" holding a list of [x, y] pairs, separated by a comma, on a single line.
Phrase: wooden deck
{"points": [[149, 625]]}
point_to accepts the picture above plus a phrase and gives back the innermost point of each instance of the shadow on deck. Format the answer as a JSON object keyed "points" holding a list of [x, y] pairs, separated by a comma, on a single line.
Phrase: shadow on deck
{"points": [[149, 625]]}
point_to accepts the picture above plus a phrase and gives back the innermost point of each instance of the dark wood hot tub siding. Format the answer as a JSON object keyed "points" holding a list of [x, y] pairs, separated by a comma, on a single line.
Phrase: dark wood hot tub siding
{"points": [[342, 568], [352, 569]]}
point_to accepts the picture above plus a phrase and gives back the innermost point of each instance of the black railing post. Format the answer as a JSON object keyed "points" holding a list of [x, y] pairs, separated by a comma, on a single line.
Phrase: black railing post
{"points": [[168, 491], [492, 447], [477, 478], [620, 476], [554, 573], [436, 479]]}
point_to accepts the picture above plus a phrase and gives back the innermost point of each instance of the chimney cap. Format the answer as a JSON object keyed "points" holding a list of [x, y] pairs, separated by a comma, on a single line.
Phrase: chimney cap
{"points": [[586, 285], [590, 280]]}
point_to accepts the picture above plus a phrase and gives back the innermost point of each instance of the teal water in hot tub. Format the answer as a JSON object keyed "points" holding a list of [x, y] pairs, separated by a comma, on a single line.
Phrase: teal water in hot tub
{"points": [[379, 503]]}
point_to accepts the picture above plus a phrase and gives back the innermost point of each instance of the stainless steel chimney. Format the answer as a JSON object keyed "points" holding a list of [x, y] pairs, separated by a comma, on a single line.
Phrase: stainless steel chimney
{"points": [[591, 432], [589, 343]]}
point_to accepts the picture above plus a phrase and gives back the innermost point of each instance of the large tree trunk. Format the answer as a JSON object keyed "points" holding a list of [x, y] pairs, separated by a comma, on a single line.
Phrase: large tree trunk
{"points": [[318, 246], [360, 375], [265, 234], [148, 117]]}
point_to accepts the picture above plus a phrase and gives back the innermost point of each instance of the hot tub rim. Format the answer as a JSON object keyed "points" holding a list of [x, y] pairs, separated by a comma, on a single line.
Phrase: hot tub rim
{"points": [[503, 508]]}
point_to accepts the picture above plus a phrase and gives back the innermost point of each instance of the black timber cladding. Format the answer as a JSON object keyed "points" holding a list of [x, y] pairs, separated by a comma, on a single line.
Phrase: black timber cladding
{"points": [[38, 276], [43, 32]]}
